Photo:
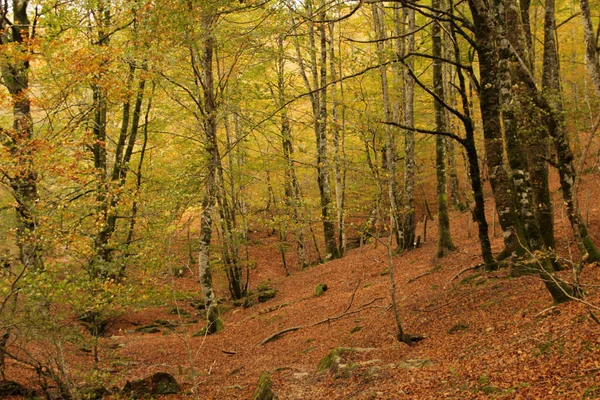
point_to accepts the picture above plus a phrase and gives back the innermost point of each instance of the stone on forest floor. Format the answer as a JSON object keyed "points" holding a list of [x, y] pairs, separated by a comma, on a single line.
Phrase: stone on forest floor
{"points": [[415, 363], [320, 289], [334, 362]]}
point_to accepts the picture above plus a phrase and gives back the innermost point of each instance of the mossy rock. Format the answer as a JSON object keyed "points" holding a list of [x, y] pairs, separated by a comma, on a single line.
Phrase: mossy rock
{"points": [[264, 390], [334, 362], [265, 295], [179, 311], [415, 363], [157, 326], [148, 329], [320, 289]]}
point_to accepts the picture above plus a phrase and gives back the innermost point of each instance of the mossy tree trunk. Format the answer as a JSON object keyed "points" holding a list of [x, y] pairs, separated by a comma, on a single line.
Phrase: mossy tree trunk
{"points": [[555, 120], [22, 177], [485, 29]]}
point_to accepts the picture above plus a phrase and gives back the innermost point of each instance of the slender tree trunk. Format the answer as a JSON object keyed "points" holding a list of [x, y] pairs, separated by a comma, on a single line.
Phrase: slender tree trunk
{"points": [[390, 144], [526, 22], [445, 244], [407, 45], [338, 144], [318, 100], [202, 65], [591, 45], [291, 187], [473, 163], [331, 248]]}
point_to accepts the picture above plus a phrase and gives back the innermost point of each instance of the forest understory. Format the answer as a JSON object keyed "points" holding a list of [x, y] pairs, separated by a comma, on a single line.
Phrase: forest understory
{"points": [[487, 335]]}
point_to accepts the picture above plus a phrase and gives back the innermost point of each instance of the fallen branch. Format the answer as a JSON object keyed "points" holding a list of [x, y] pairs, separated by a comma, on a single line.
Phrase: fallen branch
{"points": [[280, 333], [429, 272], [229, 351], [465, 270], [323, 321]]}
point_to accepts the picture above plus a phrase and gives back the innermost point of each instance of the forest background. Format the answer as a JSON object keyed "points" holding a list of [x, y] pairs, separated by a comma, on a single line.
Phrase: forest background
{"points": [[144, 138]]}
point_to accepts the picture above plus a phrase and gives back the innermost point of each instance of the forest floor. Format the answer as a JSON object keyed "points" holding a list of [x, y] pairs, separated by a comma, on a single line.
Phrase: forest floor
{"points": [[487, 335]]}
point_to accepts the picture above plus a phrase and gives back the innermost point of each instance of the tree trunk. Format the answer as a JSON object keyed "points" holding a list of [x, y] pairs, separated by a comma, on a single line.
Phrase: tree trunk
{"points": [[337, 127], [318, 101], [591, 45], [473, 164], [390, 146], [23, 177], [485, 34], [557, 129], [331, 248], [291, 188], [404, 46]]}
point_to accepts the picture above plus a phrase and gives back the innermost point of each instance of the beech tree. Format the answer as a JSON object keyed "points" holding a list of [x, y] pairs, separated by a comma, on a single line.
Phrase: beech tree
{"points": [[20, 175]]}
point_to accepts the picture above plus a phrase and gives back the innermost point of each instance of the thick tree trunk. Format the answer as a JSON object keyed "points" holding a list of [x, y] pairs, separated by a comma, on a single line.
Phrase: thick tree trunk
{"points": [[526, 140], [445, 244], [204, 269], [485, 33]]}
